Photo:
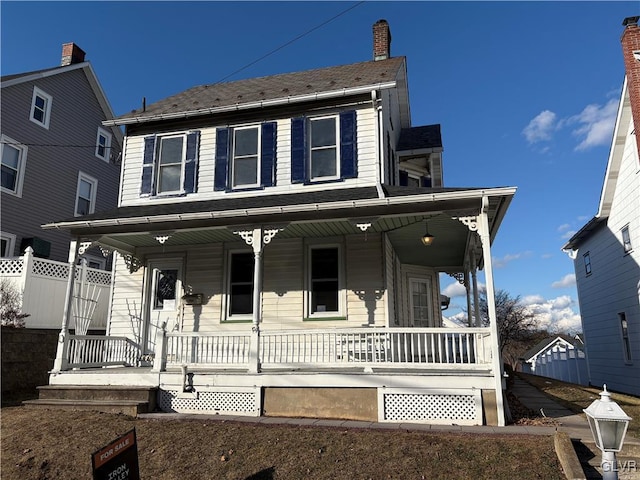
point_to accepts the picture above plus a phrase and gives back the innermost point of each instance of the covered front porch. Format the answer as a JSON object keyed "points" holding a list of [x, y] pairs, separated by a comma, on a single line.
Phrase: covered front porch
{"points": [[375, 325]]}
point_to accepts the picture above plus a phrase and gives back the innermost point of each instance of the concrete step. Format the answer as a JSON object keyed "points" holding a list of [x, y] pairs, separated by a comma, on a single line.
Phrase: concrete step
{"points": [[628, 459], [130, 400], [126, 407]]}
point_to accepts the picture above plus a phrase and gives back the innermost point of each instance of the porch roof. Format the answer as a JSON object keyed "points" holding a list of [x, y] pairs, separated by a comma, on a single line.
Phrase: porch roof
{"points": [[400, 213]]}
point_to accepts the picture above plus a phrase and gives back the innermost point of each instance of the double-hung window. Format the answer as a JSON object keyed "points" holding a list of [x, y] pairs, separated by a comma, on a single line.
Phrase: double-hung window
{"points": [[324, 280], [245, 157], [14, 157], [86, 194], [7, 244], [240, 285], [245, 168], [170, 164], [40, 107], [587, 263], [323, 148], [103, 144], [626, 343]]}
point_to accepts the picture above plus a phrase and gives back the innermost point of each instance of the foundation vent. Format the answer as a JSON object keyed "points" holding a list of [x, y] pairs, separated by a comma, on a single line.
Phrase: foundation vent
{"points": [[211, 402], [432, 408]]}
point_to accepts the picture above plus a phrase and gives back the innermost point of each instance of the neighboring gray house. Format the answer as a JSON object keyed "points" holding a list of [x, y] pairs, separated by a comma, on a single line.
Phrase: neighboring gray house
{"points": [[280, 241], [58, 160], [606, 251]]}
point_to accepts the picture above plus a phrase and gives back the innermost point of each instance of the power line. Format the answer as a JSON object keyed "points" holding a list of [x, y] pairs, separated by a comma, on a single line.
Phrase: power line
{"points": [[291, 41]]}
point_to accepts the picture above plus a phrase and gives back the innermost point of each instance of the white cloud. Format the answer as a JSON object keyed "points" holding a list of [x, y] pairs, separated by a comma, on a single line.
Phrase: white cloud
{"points": [[568, 280], [546, 256], [594, 124], [564, 227], [568, 234], [455, 290], [556, 315], [508, 258], [540, 127]]}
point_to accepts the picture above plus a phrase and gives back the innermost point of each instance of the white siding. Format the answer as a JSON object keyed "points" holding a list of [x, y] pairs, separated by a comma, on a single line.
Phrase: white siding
{"points": [[203, 274], [614, 284], [282, 300], [367, 165], [365, 286], [126, 301]]}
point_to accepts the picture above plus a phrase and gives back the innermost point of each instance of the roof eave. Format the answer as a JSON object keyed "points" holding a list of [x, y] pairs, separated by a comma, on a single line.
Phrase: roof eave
{"points": [[344, 92]]}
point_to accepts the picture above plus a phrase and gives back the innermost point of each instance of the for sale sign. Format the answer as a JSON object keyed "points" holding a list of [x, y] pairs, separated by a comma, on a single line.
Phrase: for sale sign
{"points": [[118, 460]]}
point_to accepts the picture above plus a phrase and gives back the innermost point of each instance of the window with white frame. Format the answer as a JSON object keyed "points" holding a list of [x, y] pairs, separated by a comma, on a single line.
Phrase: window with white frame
{"points": [[40, 107], [626, 239], [587, 263], [7, 244], [103, 145], [86, 194], [420, 301], [324, 158], [626, 343], [170, 161], [14, 158], [240, 285], [245, 165], [325, 272]]}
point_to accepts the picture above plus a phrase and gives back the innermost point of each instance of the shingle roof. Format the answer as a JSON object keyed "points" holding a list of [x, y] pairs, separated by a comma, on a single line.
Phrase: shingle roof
{"points": [[417, 138], [543, 344], [6, 78], [309, 82]]}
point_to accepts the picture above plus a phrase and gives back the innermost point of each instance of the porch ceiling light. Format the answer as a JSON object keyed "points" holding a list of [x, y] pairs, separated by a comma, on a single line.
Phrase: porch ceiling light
{"points": [[427, 238], [162, 237]]}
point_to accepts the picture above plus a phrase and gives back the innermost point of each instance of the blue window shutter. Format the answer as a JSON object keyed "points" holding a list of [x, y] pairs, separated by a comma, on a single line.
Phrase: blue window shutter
{"points": [[425, 181], [220, 176], [348, 145], [191, 164], [298, 150], [148, 166], [268, 155], [404, 178]]}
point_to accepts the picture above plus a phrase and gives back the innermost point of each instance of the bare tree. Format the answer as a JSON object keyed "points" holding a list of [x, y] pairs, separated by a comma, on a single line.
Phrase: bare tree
{"points": [[517, 326]]}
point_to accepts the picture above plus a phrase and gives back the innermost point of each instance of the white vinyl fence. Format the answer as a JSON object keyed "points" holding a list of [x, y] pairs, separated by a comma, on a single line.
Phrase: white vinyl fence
{"points": [[43, 284]]}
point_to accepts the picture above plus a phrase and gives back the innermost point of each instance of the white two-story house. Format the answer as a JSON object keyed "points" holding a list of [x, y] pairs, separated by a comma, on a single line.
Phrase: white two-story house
{"points": [[279, 243], [606, 251]]}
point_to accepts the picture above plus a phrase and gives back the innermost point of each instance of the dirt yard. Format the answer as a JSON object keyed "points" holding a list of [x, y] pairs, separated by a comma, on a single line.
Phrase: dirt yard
{"points": [[56, 444]]}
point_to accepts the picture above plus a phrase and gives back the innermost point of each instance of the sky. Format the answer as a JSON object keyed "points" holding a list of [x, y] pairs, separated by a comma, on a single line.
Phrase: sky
{"points": [[526, 93]]}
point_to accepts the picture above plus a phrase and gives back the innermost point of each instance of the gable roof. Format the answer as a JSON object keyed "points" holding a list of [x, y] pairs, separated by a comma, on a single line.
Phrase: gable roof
{"points": [[18, 78], [547, 343], [287, 88]]}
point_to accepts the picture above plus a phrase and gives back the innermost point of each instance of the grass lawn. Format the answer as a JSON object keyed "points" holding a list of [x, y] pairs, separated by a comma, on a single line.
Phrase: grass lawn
{"points": [[56, 444], [576, 398]]}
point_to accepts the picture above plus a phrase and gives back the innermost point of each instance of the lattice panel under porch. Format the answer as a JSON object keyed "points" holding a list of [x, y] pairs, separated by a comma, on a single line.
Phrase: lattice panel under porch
{"points": [[11, 266], [432, 408], [211, 402]]}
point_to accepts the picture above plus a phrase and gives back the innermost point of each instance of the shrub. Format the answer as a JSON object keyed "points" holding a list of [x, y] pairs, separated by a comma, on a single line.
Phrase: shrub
{"points": [[11, 305]]}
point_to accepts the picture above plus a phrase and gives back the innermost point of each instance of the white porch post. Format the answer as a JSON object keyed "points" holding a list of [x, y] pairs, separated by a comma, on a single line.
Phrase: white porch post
{"points": [[467, 289], [254, 353], [474, 284], [60, 362], [485, 238]]}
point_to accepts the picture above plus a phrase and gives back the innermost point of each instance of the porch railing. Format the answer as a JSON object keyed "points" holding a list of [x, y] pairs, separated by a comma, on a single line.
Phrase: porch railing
{"points": [[89, 351], [409, 347], [210, 349]]}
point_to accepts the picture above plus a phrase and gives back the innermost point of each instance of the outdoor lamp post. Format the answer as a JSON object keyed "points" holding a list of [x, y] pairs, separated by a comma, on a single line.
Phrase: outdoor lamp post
{"points": [[608, 424]]}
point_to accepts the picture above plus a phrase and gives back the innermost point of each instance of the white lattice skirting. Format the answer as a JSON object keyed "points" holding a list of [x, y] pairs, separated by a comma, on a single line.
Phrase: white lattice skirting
{"points": [[236, 401], [463, 408]]}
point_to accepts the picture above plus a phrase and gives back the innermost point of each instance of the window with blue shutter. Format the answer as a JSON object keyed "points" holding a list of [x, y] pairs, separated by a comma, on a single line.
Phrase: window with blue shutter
{"points": [[324, 148], [268, 155]]}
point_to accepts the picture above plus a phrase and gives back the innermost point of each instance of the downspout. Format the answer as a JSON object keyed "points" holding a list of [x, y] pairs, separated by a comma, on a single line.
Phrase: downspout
{"points": [[377, 107]]}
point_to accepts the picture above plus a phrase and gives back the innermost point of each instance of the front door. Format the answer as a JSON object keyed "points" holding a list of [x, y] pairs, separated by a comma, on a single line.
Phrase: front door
{"points": [[420, 302], [164, 292]]}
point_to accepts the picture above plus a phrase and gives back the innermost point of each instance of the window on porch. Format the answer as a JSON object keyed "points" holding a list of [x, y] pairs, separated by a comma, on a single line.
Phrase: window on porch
{"points": [[240, 296], [324, 282]]}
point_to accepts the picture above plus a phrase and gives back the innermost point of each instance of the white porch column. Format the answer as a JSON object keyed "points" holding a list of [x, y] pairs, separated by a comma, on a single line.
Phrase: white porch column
{"points": [[474, 284], [60, 362], [467, 289], [485, 238]]}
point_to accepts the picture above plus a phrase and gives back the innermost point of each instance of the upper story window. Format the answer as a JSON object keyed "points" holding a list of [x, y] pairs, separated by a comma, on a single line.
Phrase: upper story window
{"points": [[323, 148], [14, 158], [624, 330], [103, 145], [587, 263], [40, 107], [86, 194], [170, 164], [626, 239], [245, 157]]}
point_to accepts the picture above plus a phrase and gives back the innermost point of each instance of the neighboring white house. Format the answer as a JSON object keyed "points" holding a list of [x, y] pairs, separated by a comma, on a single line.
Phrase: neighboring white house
{"points": [[279, 243], [560, 357], [606, 251]]}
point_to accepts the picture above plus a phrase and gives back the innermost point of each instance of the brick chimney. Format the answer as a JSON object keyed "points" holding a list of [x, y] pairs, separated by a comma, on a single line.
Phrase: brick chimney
{"points": [[631, 52], [71, 53], [381, 40]]}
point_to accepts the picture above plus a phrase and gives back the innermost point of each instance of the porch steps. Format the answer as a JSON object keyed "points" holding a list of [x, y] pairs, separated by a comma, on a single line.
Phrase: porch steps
{"points": [[591, 457], [128, 400]]}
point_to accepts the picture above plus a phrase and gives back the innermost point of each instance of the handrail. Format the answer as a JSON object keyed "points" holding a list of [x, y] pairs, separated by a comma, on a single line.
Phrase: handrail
{"points": [[91, 351]]}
